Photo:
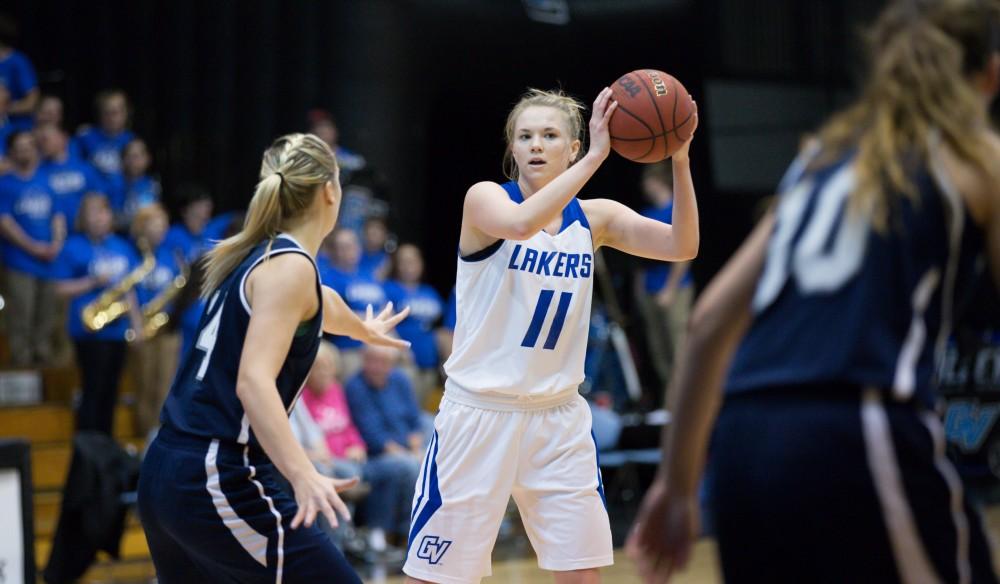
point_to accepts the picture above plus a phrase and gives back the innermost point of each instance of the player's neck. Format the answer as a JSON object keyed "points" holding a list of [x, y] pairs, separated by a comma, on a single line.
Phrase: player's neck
{"points": [[529, 188], [309, 235]]}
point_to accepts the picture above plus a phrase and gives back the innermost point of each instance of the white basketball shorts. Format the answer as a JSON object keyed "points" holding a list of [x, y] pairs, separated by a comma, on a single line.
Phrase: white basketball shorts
{"points": [[478, 458]]}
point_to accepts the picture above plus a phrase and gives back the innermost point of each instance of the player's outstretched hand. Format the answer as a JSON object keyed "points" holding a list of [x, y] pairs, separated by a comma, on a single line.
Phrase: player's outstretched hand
{"points": [[315, 494], [600, 137], [377, 328], [682, 153], [663, 534]]}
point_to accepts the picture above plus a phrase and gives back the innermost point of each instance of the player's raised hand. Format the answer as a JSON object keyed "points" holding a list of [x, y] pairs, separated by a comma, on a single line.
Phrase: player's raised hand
{"points": [[600, 137], [663, 534], [377, 328], [682, 153], [315, 494]]}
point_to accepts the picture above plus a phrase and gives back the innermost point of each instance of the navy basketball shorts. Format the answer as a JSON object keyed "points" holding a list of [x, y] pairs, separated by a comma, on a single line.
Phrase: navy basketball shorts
{"points": [[839, 485], [213, 512]]}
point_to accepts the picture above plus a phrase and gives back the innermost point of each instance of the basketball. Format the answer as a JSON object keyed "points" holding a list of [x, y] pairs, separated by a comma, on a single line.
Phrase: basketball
{"points": [[655, 115]]}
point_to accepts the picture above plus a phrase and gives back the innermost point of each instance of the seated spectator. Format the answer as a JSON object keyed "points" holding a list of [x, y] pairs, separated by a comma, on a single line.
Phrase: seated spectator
{"points": [[93, 261], [342, 454], [384, 409], [49, 112], [376, 248], [426, 306], [102, 145], [358, 289], [35, 229], [17, 74], [67, 176], [156, 356], [133, 189]]}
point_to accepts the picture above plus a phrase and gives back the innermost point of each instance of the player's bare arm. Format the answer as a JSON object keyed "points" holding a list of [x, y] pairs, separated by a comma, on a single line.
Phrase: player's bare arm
{"points": [[278, 289]]}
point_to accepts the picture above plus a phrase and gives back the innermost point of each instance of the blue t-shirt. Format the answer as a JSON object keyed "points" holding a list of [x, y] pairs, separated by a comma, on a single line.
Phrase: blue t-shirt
{"points": [[372, 262], [656, 273], [129, 195], [102, 150], [426, 308], [188, 245], [167, 268], [382, 415], [113, 258], [70, 180], [18, 75], [216, 227], [358, 290], [33, 206]]}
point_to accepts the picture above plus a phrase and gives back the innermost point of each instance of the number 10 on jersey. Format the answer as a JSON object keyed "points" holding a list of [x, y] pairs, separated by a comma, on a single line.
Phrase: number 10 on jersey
{"points": [[541, 310]]}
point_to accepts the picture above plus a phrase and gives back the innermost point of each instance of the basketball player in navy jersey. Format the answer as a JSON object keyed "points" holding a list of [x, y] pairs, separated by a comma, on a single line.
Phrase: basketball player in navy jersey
{"points": [[209, 494], [828, 458], [512, 421]]}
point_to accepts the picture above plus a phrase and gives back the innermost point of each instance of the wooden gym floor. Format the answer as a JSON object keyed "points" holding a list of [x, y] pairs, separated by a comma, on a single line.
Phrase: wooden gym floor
{"points": [[702, 570]]}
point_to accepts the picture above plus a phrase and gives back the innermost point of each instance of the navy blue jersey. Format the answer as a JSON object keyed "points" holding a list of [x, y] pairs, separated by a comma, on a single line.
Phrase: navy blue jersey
{"points": [[203, 399], [840, 302]]}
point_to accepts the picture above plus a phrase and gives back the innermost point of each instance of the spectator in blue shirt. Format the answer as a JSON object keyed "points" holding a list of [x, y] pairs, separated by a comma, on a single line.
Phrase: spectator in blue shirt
{"points": [[156, 356], [405, 288], [34, 228], [386, 414], [102, 145], [322, 124], [133, 189], [68, 177], [358, 289], [188, 237], [665, 292], [49, 112], [376, 248], [91, 262], [18, 75]]}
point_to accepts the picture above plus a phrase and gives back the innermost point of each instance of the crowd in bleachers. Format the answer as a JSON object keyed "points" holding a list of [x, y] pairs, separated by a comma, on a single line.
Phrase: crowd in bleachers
{"points": [[84, 223]]}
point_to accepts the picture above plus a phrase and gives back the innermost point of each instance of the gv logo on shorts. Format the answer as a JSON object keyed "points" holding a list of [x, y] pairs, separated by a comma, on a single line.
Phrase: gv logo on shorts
{"points": [[432, 548]]}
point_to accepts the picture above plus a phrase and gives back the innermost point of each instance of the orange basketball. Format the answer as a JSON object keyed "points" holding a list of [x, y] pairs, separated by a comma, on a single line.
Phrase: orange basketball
{"points": [[655, 115]]}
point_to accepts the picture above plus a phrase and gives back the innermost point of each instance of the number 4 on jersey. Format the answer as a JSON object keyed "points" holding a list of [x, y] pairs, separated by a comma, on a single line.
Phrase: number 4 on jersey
{"points": [[541, 310]]}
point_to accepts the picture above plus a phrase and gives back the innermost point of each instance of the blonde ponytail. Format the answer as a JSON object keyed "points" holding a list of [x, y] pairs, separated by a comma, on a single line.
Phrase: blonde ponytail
{"points": [[293, 168]]}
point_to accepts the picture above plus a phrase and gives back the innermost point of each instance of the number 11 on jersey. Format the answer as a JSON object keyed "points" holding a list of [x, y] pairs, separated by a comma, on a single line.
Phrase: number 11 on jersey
{"points": [[541, 310]]}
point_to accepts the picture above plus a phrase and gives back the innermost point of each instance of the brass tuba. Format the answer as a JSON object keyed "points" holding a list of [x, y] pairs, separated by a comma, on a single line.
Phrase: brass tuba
{"points": [[112, 303]]}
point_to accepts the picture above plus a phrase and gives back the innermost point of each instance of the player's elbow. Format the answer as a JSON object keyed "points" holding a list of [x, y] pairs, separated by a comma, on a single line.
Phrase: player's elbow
{"points": [[246, 389], [687, 252], [519, 230]]}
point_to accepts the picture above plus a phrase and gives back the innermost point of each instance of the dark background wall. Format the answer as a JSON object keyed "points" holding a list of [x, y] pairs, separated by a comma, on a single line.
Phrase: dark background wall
{"points": [[422, 88]]}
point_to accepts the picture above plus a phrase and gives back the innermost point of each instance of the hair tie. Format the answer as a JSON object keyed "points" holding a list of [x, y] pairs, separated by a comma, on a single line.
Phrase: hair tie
{"points": [[280, 176]]}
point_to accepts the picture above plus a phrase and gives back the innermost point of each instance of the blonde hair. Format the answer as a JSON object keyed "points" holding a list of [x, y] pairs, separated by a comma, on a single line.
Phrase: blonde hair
{"points": [[571, 107], [142, 218], [922, 53], [292, 169]]}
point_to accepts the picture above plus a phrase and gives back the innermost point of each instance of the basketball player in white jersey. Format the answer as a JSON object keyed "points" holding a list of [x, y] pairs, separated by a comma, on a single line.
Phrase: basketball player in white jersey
{"points": [[512, 421]]}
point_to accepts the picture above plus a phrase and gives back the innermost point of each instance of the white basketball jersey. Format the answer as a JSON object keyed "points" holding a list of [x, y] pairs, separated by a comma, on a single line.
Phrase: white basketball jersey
{"points": [[523, 311]]}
